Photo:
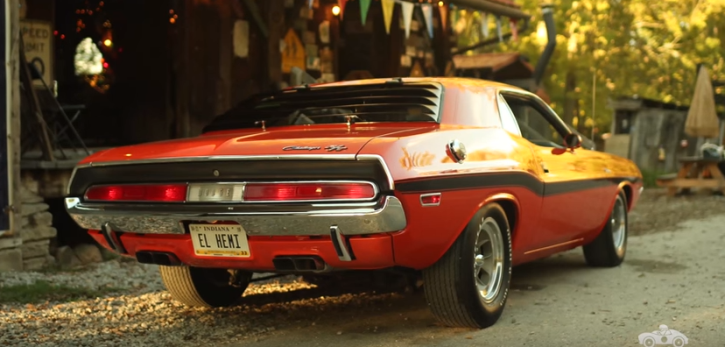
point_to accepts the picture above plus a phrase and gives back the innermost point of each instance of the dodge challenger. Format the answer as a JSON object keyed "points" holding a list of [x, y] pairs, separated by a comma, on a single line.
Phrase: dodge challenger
{"points": [[455, 179]]}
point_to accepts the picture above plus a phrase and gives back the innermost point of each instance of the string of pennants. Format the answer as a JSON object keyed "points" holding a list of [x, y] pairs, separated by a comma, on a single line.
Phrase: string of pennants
{"points": [[427, 9]]}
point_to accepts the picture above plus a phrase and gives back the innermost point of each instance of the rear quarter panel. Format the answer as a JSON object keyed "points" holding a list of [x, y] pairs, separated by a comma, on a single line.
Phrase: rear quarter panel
{"points": [[418, 163]]}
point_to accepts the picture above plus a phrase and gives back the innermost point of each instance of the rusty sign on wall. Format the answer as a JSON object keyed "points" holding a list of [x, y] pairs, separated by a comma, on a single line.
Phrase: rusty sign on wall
{"points": [[37, 37], [241, 38], [293, 53]]}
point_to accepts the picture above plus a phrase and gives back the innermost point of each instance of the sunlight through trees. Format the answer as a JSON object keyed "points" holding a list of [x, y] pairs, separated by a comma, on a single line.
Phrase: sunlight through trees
{"points": [[620, 48]]}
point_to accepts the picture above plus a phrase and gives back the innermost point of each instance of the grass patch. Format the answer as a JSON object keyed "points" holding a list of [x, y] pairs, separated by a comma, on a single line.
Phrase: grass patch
{"points": [[42, 291], [649, 177]]}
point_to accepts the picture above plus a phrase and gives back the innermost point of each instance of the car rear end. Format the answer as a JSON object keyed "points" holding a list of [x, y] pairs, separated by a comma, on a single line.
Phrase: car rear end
{"points": [[266, 214], [302, 209]]}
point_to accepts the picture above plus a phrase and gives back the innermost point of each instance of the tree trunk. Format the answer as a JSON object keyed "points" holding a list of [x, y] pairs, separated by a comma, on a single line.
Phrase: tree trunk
{"points": [[570, 100]]}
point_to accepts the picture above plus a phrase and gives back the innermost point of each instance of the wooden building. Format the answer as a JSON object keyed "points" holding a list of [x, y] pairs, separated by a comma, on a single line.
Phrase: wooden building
{"points": [[106, 73], [650, 133], [198, 58]]}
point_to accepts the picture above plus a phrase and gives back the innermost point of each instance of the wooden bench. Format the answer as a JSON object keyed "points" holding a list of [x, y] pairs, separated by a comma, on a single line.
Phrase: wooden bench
{"points": [[663, 180], [699, 173]]}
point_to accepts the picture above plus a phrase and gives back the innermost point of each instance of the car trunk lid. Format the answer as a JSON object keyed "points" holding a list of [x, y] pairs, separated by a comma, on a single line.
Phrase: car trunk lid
{"points": [[294, 140]]}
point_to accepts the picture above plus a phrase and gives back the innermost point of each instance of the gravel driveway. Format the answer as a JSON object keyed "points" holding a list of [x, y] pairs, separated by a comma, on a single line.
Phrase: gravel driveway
{"points": [[670, 277]]}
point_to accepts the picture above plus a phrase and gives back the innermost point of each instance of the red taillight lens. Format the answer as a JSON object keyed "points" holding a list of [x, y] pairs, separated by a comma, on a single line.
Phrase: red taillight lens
{"points": [[164, 193], [308, 191]]}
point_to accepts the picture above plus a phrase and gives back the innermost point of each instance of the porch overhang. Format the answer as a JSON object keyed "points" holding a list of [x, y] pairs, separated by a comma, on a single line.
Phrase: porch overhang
{"points": [[495, 7]]}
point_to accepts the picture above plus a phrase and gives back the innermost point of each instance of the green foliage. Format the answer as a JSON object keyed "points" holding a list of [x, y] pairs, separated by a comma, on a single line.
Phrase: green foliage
{"points": [[649, 177], [42, 291], [621, 48]]}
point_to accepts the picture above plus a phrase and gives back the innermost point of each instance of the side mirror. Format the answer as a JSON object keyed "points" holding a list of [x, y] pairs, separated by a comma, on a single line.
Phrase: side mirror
{"points": [[571, 142]]}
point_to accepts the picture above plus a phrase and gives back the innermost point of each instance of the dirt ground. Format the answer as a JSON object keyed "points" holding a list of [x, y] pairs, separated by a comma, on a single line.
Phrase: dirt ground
{"points": [[656, 212], [673, 275], [673, 278]]}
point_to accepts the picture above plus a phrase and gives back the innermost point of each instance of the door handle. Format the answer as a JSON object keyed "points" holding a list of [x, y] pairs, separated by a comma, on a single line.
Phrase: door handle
{"points": [[543, 166]]}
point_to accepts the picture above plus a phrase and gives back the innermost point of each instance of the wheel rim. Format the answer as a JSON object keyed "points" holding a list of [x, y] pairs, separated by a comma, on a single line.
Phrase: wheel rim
{"points": [[488, 260], [619, 225]]}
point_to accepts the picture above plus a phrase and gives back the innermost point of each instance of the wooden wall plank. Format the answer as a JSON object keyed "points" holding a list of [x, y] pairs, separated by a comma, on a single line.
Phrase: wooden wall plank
{"points": [[14, 167]]}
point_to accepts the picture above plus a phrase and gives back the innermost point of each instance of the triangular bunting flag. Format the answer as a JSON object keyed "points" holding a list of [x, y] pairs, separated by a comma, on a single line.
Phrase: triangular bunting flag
{"points": [[484, 24], [341, 4], [443, 10], [428, 16], [407, 16], [514, 30], [364, 7], [499, 29], [388, 7]]}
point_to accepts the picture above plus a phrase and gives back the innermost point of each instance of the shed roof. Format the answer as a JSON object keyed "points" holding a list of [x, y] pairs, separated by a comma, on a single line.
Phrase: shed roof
{"points": [[507, 8], [493, 61], [631, 102]]}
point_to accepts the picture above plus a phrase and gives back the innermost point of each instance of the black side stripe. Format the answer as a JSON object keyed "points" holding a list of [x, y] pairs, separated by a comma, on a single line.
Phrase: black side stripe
{"points": [[507, 179]]}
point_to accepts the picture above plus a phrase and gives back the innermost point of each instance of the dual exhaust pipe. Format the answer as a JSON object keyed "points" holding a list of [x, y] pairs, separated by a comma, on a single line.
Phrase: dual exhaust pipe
{"points": [[299, 264], [157, 258], [282, 264]]}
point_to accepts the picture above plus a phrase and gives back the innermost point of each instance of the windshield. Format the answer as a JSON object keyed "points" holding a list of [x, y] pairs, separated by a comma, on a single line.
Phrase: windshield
{"points": [[388, 102]]}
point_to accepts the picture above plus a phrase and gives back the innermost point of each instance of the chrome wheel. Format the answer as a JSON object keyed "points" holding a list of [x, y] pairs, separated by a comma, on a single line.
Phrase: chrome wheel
{"points": [[488, 260], [470, 289], [619, 225]]}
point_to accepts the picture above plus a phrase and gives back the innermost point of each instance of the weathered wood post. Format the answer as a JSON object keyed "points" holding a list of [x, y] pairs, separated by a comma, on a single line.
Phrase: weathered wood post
{"points": [[11, 257]]}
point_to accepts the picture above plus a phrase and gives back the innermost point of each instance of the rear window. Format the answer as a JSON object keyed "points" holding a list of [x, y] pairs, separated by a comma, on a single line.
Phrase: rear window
{"points": [[386, 102]]}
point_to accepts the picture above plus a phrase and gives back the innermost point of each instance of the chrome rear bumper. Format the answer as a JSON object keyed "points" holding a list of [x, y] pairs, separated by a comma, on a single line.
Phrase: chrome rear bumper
{"points": [[386, 215]]}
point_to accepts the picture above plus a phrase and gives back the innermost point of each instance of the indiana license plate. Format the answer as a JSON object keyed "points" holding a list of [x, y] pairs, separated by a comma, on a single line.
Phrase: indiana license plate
{"points": [[219, 240]]}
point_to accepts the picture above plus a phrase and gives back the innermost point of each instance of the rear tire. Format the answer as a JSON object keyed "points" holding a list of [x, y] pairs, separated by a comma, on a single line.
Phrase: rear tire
{"points": [[610, 246], [199, 287], [469, 285]]}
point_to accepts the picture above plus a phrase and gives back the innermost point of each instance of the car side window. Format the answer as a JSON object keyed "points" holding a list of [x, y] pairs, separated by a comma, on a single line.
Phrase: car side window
{"points": [[534, 126], [508, 121]]}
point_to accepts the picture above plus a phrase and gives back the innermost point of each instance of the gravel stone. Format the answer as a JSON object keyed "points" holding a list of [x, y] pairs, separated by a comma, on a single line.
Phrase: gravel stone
{"points": [[88, 253], [38, 232], [67, 259], [656, 212], [31, 209], [36, 263], [35, 248], [27, 196], [145, 314]]}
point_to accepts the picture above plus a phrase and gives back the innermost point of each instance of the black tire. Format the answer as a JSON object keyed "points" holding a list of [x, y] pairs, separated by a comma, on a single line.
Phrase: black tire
{"points": [[450, 284], [204, 287], [603, 251]]}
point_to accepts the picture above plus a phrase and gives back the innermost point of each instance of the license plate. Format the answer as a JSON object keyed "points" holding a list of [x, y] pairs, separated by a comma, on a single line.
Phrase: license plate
{"points": [[219, 240], [215, 192]]}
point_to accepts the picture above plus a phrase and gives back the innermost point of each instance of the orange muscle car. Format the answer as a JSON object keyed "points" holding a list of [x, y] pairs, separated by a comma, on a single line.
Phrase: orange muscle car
{"points": [[455, 179]]}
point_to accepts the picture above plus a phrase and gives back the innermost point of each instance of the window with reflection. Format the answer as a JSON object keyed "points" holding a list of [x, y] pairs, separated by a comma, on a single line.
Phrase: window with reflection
{"points": [[534, 126]]}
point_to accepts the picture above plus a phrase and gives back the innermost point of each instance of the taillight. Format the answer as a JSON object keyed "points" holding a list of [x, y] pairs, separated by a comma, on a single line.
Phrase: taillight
{"points": [[308, 191], [143, 192]]}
